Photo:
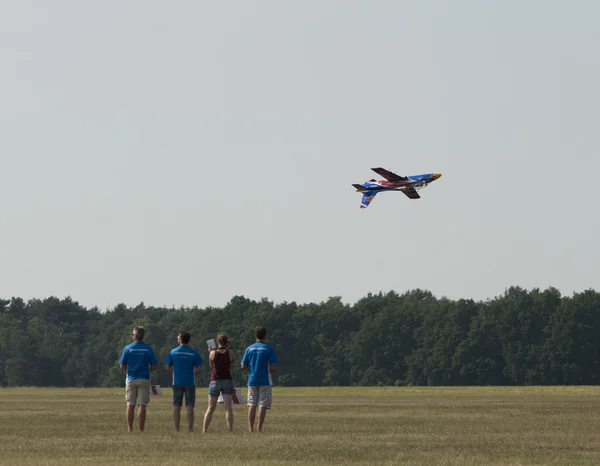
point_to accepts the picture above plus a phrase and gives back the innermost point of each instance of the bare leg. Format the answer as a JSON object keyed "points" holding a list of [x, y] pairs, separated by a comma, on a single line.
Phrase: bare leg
{"points": [[251, 417], [176, 417], [190, 418], [212, 404], [228, 411], [142, 417], [262, 412], [129, 416]]}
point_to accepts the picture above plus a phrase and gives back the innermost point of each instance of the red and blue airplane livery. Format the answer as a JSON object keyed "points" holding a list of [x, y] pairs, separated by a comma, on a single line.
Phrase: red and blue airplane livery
{"points": [[409, 185]]}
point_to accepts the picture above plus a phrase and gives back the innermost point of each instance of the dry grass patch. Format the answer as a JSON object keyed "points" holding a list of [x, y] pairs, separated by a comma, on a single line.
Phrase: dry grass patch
{"points": [[412, 425]]}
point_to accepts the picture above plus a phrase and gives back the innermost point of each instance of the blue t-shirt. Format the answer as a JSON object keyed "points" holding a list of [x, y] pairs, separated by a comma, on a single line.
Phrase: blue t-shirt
{"points": [[183, 359], [138, 357], [258, 357]]}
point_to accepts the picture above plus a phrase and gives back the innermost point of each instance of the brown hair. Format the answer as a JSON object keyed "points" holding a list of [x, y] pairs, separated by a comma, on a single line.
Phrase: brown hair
{"points": [[185, 337], [222, 339], [139, 331], [260, 332]]}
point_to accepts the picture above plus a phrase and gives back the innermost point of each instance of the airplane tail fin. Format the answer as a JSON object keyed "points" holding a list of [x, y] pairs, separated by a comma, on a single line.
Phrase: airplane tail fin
{"points": [[368, 196], [359, 187]]}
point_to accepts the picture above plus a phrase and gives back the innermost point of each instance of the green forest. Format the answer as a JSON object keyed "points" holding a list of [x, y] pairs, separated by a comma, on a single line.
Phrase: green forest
{"points": [[522, 337]]}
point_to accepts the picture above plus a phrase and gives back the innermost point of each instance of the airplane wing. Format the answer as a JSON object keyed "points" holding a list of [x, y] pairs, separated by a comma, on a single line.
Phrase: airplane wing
{"points": [[388, 175], [368, 196], [411, 192]]}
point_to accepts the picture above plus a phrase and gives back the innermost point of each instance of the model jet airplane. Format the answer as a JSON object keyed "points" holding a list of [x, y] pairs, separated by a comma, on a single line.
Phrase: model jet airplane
{"points": [[409, 185]]}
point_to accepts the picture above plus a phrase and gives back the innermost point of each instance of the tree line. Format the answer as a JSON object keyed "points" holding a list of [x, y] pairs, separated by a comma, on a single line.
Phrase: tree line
{"points": [[522, 337]]}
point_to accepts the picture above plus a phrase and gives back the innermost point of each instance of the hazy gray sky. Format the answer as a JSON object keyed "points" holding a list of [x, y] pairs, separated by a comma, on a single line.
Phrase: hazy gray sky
{"points": [[181, 153]]}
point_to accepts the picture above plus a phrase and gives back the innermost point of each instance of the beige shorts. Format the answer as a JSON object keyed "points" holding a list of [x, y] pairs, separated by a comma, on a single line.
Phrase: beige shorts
{"points": [[137, 392], [261, 396]]}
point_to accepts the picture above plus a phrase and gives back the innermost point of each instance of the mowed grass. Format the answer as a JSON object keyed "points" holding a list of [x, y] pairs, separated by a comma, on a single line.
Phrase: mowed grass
{"points": [[404, 425]]}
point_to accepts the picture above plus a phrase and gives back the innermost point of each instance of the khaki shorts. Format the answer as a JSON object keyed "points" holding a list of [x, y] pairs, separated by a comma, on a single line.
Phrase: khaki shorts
{"points": [[137, 392]]}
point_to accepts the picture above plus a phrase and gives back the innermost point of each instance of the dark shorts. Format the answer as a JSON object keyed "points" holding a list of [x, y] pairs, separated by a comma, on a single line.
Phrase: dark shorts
{"points": [[190, 395], [217, 386]]}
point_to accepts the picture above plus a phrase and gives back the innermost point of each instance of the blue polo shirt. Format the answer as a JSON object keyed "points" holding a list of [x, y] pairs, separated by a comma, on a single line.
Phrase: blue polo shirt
{"points": [[184, 360], [138, 357], [258, 357]]}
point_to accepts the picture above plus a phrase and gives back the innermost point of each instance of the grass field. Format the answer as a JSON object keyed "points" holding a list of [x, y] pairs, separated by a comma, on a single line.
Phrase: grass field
{"points": [[424, 426]]}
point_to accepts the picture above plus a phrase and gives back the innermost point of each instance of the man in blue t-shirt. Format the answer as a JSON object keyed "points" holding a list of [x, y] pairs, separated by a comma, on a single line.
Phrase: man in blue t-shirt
{"points": [[260, 361], [184, 363], [138, 360]]}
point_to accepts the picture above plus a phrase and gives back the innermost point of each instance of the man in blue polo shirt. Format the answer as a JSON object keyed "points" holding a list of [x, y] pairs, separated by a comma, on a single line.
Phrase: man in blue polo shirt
{"points": [[184, 363], [260, 361], [138, 360]]}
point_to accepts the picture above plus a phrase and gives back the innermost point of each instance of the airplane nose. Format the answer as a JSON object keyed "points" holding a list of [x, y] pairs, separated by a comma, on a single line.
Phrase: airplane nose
{"points": [[436, 175]]}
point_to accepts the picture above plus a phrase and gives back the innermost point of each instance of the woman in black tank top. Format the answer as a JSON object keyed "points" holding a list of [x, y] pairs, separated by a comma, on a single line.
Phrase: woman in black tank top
{"points": [[221, 382]]}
